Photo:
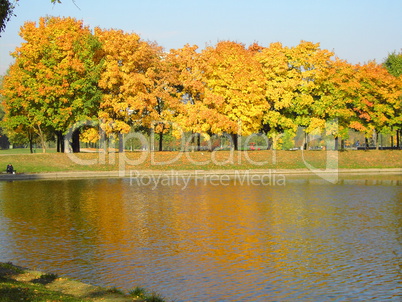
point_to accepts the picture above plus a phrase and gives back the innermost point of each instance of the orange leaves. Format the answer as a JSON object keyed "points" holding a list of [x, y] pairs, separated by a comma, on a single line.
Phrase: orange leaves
{"points": [[358, 126], [306, 85], [134, 81], [377, 96], [63, 72]]}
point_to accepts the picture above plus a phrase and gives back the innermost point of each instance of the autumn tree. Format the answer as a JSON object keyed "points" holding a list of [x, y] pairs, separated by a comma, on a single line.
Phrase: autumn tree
{"points": [[393, 64], [21, 122], [359, 97], [294, 78], [163, 100], [234, 89], [54, 78], [335, 99], [135, 90], [187, 79], [281, 82], [378, 99], [312, 65]]}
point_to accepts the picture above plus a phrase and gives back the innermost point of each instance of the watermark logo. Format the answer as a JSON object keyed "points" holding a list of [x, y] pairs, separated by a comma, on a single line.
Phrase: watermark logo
{"points": [[147, 155], [200, 177]]}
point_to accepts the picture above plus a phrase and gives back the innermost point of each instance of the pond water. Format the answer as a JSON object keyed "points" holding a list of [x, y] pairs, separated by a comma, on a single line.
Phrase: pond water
{"points": [[305, 240]]}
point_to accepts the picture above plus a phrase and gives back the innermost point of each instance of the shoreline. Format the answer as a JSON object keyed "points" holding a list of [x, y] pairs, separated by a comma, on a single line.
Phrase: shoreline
{"points": [[198, 173], [38, 285]]}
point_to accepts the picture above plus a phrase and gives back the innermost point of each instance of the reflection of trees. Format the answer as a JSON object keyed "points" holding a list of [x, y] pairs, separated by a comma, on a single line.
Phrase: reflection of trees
{"points": [[327, 234], [277, 234], [61, 220]]}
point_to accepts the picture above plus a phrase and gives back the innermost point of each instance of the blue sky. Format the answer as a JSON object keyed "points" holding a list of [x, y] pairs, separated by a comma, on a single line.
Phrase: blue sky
{"points": [[356, 30]]}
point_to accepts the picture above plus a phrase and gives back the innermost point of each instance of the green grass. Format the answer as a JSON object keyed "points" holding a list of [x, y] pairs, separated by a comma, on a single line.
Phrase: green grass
{"points": [[220, 160], [144, 295], [11, 268], [137, 291], [36, 290], [25, 151], [11, 291], [46, 278], [114, 290]]}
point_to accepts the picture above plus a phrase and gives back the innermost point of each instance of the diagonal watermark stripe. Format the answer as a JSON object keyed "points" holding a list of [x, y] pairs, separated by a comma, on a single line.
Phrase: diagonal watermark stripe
{"points": [[331, 171]]}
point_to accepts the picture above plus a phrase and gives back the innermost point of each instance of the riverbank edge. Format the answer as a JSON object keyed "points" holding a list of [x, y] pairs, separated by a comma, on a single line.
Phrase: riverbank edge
{"points": [[197, 173], [21, 276]]}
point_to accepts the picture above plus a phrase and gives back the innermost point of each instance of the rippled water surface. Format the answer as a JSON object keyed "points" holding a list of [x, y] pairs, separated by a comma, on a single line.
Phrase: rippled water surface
{"points": [[302, 241]]}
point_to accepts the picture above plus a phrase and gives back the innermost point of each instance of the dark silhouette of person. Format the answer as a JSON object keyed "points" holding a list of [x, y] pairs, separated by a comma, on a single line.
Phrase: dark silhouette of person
{"points": [[10, 168]]}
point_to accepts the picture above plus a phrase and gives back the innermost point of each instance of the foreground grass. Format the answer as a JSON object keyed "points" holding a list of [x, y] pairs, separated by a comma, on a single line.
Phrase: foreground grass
{"points": [[13, 290], [219, 160], [18, 284]]}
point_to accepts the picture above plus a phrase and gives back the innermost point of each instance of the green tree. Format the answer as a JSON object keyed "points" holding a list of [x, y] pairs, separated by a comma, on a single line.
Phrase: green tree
{"points": [[21, 124], [6, 12], [53, 82], [393, 64]]}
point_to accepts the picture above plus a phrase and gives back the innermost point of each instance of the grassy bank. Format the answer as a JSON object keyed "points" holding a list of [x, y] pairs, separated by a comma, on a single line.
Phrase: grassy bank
{"points": [[219, 160], [19, 284]]}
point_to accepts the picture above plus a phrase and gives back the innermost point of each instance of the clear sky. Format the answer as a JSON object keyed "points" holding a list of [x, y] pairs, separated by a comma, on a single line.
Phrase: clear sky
{"points": [[356, 30]]}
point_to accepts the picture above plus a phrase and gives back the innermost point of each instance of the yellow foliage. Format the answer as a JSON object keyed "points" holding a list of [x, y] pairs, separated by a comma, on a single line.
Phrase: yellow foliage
{"points": [[90, 135]]}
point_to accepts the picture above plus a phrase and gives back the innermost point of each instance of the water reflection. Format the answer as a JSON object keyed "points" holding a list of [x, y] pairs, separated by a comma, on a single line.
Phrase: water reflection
{"points": [[212, 243]]}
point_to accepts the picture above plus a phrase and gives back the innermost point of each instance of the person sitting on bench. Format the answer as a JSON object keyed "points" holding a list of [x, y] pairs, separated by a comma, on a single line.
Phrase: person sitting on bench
{"points": [[10, 169]]}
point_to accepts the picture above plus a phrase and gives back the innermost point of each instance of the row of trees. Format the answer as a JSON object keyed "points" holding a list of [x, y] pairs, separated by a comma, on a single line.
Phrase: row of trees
{"points": [[66, 73]]}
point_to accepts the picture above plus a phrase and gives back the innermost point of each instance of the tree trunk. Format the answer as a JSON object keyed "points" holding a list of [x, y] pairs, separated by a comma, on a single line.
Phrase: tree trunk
{"points": [[160, 141], [42, 139], [306, 141], [235, 139], [121, 145], [342, 145], [57, 142], [381, 142], [377, 145], [60, 141], [270, 143], [31, 146], [336, 147], [76, 141], [30, 137], [397, 139], [105, 143], [198, 141], [366, 143]]}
